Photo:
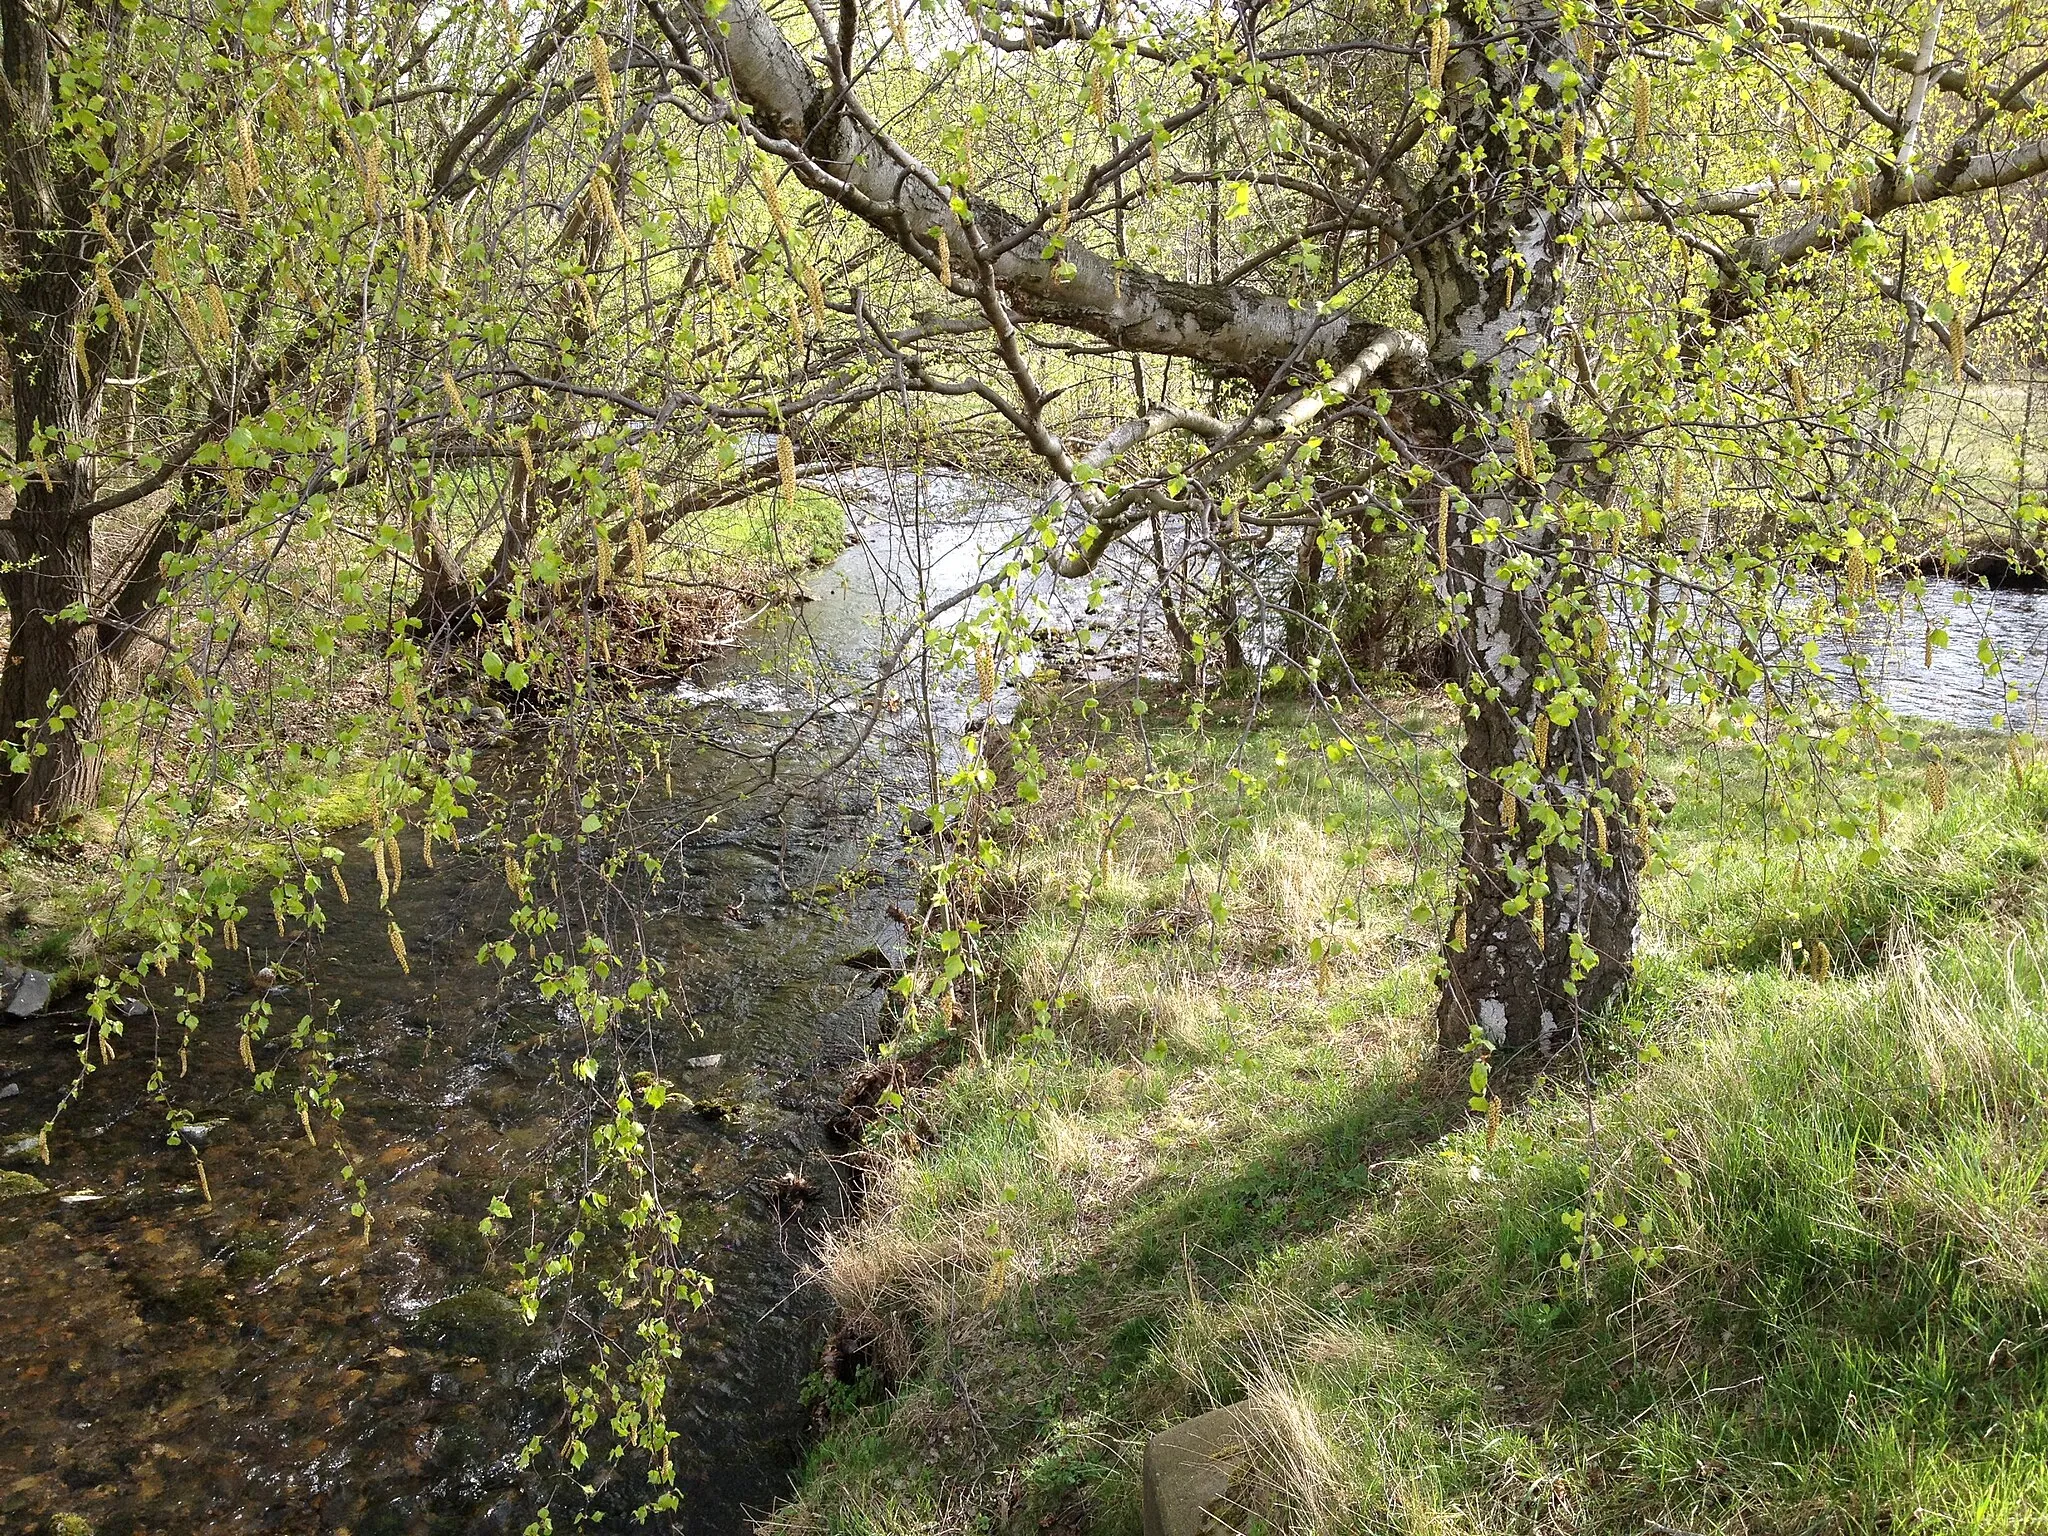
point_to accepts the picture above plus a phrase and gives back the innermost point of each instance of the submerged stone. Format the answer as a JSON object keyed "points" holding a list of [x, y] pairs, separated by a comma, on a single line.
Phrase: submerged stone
{"points": [[13, 1183], [480, 1322]]}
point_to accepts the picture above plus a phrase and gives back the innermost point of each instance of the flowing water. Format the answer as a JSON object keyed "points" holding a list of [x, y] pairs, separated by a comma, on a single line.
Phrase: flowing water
{"points": [[248, 1363]]}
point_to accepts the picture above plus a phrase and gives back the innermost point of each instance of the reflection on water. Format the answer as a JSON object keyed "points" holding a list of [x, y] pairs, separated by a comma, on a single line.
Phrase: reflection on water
{"points": [[250, 1364]]}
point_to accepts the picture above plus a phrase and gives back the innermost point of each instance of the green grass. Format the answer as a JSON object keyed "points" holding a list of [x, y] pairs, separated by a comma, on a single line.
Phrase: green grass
{"points": [[1770, 1254], [760, 534]]}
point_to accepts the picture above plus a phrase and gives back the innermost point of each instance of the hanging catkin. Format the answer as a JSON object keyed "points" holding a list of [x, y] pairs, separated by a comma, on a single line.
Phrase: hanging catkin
{"points": [[814, 289], [383, 873], [366, 390], [721, 260], [1542, 743], [772, 194], [1439, 51], [1937, 785], [601, 77], [1958, 347], [1795, 380], [1443, 530], [398, 948], [456, 403], [945, 259], [1642, 105], [785, 460], [395, 860], [1510, 812], [896, 24]]}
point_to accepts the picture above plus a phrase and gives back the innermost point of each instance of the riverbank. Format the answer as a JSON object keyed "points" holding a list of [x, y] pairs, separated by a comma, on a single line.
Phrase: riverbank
{"points": [[1769, 1253], [188, 786]]}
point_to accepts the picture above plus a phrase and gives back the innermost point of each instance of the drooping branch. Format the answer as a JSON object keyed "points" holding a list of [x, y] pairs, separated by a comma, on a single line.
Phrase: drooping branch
{"points": [[831, 144]]}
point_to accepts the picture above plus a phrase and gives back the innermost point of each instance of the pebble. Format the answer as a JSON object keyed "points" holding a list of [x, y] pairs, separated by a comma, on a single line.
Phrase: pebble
{"points": [[696, 1063], [10, 1090]]}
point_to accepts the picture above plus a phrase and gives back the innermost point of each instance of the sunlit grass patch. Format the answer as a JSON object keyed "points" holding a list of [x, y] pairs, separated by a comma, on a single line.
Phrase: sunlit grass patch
{"points": [[1771, 1255]]}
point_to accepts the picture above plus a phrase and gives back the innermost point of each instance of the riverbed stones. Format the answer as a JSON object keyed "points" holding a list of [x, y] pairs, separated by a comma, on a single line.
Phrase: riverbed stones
{"points": [[479, 1322], [14, 1183], [29, 994], [1192, 1472]]}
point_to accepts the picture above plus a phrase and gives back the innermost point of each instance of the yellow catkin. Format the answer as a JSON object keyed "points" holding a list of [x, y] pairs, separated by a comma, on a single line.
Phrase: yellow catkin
{"points": [[1439, 51], [238, 188], [1937, 785], [1458, 932], [112, 295], [366, 390], [514, 880], [306, 1122], [1856, 576], [797, 329], [1524, 446], [1642, 106], [427, 845], [398, 948], [526, 455], [1098, 103], [217, 311], [601, 77], [721, 261], [771, 193], [1542, 742], [231, 936], [205, 1189], [383, 873], [456, 403], [1510, 812], [78, 356], [1599, 829], [603, 567], [513, 40], [1795, 381], [814, 289], [114, 247], [366, 1229], [184, 1058], [1443, 530], [945, 259], [397, 863], [248, 1052], [785, 460], [340, 885], [1958, 348], [1568, 145], [897, 27], [985, 673], [1823, 960], [1927, 648], [606, 209], [251, 166]]}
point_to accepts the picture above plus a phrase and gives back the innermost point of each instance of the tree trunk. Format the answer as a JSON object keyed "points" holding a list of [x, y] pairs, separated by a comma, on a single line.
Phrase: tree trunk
{"points": [[56, 672], [1551, 852]]}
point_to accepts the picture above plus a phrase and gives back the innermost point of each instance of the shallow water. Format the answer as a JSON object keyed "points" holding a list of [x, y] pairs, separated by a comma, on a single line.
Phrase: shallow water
{"points": [[250, 1364]]}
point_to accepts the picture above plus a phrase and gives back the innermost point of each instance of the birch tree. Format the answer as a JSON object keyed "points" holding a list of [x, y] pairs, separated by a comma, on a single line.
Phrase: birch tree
{"points": [[1531, 262]]}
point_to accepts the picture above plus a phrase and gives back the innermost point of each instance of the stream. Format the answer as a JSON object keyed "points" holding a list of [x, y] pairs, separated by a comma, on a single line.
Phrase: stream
{"points": [[170, 1363], [248, 1364]]}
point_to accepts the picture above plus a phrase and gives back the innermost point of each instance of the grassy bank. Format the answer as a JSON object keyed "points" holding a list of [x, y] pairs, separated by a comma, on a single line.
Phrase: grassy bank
{"points": [[1771, 1254], [209, 797]]}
